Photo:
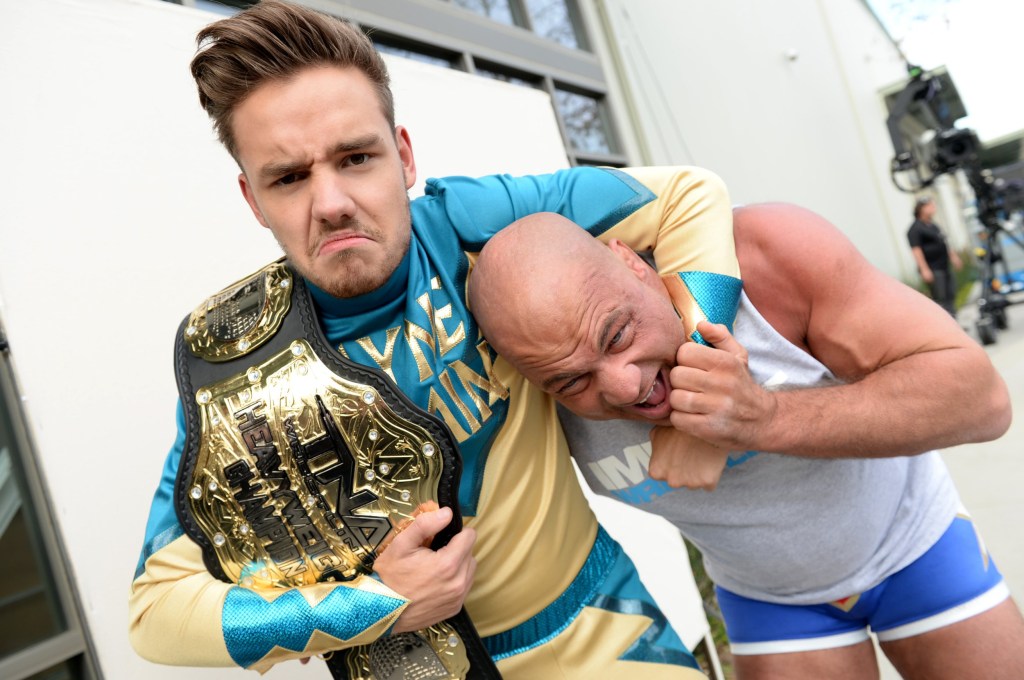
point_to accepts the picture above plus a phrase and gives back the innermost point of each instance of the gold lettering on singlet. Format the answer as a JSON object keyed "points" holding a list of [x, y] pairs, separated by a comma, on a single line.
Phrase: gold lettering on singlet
{"points": [[446, 342], [495, 388], [414, 335], [475, 386], [471, 383], [449, 387], [384, 359], [481, 390], [437, 405]]}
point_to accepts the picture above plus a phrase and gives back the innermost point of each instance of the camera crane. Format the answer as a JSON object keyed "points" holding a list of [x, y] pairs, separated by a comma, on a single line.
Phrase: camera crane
{"points": [[948, 150]]}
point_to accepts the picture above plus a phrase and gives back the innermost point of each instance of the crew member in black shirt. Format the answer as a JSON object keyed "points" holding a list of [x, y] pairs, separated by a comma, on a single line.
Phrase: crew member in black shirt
{"points": [[933, 256]]}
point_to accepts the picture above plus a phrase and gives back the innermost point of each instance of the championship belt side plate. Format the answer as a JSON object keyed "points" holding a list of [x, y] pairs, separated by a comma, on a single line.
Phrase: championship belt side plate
{"points": [[242, 317]]}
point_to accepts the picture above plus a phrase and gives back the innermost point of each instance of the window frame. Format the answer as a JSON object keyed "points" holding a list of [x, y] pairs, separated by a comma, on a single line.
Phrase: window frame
{"points": [[72, 644]]}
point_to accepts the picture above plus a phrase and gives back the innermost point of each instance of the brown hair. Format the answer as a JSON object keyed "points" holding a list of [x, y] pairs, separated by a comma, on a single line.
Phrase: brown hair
{"points": [[274, 40], [919, 206]]}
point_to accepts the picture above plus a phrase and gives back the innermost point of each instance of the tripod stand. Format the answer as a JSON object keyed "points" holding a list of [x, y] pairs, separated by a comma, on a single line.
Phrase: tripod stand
{"points": [[993, 302]]}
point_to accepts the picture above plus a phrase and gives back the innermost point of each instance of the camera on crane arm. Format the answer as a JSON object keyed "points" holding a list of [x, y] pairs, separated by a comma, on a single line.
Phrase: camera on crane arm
{"points": [[927, 145], [930, 103]]}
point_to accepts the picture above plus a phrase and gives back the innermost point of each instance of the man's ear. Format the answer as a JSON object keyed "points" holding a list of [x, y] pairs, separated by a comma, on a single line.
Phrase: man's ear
{"points": [[404, 144], [634, 262], [250, 198]]}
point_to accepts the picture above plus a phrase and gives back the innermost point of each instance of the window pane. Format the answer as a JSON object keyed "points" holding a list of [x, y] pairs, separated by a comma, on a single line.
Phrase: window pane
{"points": [[552, 19], [599, 164], [29, 609], [435, 59], [523, 80], [498, 10], [68, 670], [586, 122], [227, 7]]}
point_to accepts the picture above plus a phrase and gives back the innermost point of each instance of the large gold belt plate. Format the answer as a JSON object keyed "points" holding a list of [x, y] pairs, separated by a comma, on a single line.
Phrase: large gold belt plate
{"points": [[303, 476]]}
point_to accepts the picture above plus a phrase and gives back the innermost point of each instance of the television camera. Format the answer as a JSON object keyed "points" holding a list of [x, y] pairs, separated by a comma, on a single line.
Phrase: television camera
{"points": [[926, 111]]}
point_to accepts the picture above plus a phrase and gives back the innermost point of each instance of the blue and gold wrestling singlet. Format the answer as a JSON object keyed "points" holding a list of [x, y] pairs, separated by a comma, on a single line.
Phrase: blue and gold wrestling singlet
{"points": [[553, 596]]}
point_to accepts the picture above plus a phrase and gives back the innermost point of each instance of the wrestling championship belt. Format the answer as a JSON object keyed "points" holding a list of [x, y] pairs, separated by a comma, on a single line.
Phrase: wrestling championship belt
{"points": [[299, 465]]}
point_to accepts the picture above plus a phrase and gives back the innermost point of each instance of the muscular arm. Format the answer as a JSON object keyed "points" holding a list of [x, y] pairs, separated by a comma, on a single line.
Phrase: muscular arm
{"points": [[913, 380], [679, 213]]}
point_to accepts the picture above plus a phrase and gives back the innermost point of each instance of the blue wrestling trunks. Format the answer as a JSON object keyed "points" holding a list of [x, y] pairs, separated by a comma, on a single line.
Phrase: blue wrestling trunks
{"points": [[954, 580]]}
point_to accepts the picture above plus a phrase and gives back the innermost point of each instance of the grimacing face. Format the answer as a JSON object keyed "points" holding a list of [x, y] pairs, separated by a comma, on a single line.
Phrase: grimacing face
{"points": [[323, 170], [607, 342]]}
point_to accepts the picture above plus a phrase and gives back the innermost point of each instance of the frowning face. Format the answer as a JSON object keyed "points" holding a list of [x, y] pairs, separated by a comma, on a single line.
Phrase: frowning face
{"points": [[325, 172]]}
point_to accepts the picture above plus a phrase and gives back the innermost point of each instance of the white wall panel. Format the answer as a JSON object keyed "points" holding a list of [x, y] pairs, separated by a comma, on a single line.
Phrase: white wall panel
{"points": [[779, 98]]}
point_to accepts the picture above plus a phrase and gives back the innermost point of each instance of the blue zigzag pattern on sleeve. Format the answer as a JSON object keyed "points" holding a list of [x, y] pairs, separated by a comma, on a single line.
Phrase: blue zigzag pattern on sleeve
{"points": [[253, 626]]}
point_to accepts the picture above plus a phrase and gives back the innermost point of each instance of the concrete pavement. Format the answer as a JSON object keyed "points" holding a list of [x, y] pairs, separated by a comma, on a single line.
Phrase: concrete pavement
{"points": [[990, 476]]}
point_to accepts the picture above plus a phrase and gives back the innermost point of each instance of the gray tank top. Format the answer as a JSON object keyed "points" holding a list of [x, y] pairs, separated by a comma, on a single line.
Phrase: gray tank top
{"points": [[781, 528]]}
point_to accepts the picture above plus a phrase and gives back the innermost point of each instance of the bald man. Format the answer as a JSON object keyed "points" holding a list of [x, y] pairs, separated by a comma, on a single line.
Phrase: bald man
{"points": [[819, 405]]}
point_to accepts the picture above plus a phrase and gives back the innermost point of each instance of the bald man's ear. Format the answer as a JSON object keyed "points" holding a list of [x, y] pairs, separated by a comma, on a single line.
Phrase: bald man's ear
{"points": [[634, 262]]}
